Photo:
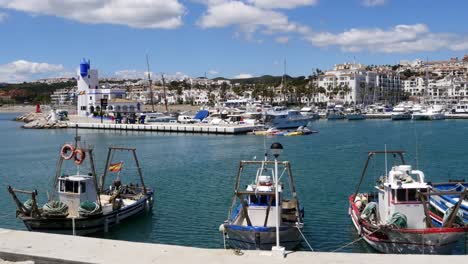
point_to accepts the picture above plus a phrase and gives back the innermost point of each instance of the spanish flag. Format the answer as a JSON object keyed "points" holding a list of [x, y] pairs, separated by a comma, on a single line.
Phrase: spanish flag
{"points": [[116, 167]]}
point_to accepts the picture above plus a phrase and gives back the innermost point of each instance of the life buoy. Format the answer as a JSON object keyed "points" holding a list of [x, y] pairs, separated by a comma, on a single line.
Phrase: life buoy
{"points": [[67, 151], [79, 156]]}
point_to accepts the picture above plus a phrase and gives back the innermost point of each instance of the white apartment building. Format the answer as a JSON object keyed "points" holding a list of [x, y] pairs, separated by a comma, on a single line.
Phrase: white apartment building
{"points": [[363, 86], [65, 96]]}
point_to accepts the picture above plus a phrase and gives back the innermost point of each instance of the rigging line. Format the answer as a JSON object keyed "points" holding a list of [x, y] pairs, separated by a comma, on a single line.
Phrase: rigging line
{"points": [[354, 241], [305, 239]]}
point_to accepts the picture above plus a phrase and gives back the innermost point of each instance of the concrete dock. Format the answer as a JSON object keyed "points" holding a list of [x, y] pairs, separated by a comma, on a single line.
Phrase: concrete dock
{"points": [[51, 248], [172, 127]]}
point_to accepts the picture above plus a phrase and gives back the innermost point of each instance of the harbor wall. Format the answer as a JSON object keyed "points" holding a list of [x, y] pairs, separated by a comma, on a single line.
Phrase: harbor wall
{"points": [[52, 248]]}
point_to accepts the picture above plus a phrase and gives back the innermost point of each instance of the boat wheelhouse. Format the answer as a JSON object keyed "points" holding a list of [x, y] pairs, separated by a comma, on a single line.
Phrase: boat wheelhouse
{"points": [[396, 217]]}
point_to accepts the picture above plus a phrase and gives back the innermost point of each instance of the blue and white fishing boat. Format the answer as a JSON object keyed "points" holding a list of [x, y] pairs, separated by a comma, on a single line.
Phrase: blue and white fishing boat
{"points": [[256, 217], [441, 205]]}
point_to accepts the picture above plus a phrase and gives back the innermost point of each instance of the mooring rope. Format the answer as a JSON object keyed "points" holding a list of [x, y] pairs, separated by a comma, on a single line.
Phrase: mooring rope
{"points": [[354, 241], [305, 239]]}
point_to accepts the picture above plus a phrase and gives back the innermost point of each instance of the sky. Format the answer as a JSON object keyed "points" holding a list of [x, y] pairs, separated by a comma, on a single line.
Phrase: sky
{"points": [[229, 38]]}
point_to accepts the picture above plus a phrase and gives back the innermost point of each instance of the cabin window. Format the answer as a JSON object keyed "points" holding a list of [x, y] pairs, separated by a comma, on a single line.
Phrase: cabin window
{"points": [[69, 186], [413, 195], [82, 187], [401, 195]]}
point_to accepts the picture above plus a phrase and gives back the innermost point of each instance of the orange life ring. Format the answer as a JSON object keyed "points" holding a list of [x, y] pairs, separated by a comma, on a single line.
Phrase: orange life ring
{"points": [[67, 151], [79, 156]]}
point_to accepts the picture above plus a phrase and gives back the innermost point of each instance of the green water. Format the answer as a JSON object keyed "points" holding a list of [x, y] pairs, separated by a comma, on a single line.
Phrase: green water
{"points": [[194, 174]]}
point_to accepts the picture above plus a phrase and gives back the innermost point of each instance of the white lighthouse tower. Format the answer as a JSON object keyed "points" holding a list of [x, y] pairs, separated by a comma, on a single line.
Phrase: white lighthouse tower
{"points": [[90, 94], [87, 81]]}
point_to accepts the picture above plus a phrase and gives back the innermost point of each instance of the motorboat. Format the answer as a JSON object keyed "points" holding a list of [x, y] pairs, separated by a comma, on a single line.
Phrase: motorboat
{"points": [[158, 118], [309, 111], [335, 114], [401, 112], [434, 112], [78, 204], [395, 218], [460, 108], [282, 118], [259, 210], [355, 114], [442, 205]]}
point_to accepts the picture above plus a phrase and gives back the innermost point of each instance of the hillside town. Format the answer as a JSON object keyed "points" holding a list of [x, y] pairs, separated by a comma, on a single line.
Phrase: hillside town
{"points": [[346, 83]]}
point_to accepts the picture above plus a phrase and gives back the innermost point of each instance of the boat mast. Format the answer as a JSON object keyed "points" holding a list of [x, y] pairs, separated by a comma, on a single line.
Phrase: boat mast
{"points": [[150, 83], [164, 91]]}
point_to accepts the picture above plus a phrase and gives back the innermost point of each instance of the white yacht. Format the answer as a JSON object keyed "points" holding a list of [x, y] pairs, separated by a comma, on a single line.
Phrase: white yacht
{"points": [[282, 118], [434, 112], [309, 111], [158, 117], [401, 112]]}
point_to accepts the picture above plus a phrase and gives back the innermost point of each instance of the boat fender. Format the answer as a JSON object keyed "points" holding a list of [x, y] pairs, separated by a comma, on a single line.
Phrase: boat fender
{"points": [[79, 156], [221, 228], [67, 151]]}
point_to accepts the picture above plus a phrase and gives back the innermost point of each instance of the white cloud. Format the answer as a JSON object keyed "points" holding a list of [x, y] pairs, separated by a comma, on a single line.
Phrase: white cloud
{"points": [[243, 76], [282, 40], [213, 72], [287, 4], [22, 70], [373, 2], [399, 39], [165, 14], [247, 18], [3, 16]]}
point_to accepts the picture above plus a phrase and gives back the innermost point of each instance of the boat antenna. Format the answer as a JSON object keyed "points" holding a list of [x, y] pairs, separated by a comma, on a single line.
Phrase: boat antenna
{"points": [[150, 83], [386, 166]]}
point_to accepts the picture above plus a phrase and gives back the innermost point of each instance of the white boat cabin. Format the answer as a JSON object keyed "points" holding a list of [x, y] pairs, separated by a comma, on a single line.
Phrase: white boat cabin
{"points": [[75, 189], [399, 193]]}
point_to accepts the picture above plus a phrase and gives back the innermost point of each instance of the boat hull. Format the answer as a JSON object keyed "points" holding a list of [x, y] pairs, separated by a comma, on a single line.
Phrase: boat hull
{"points": [[87, 225], [406, 241], [443, 202], [402, 116], [263, 238], [355, 117], [290, 123], [336, 117], [428, 117]]}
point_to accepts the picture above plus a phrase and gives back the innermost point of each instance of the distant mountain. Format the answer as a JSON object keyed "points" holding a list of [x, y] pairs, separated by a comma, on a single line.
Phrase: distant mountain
{"points": [[265, 79]]}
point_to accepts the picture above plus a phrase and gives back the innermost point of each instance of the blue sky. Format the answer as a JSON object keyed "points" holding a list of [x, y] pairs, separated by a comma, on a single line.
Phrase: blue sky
{"points": [[222, 37]]}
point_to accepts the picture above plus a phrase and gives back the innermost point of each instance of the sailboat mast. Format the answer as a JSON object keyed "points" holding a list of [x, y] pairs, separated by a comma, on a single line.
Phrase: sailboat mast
{"points": [[150, 83], [164, 90]]}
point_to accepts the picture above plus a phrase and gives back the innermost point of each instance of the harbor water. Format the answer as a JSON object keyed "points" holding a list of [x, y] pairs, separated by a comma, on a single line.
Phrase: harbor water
{"points": [[193, 174]]}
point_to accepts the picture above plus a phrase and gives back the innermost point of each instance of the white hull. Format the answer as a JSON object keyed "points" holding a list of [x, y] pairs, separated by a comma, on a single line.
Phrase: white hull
{"points": [[289, 123]]}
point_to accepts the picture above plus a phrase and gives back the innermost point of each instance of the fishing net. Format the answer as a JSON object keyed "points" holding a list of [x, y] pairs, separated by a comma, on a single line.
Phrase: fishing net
{"points": [[88, 208], [398, 220], [55, 209], [369, 210]]}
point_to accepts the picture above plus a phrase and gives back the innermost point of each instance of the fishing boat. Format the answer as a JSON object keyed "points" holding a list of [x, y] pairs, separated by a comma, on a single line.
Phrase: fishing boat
{"points": [[442, 205], [83, 206], [396, 218], [262, 214]]}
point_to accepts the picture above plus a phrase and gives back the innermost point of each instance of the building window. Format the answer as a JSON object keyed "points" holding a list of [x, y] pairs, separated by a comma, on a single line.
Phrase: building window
{"points": [[90, 98], [83, 108]]}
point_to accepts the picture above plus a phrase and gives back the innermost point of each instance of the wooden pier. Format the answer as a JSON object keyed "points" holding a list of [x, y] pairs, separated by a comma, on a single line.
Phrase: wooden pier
{"points": [[172, 127]]}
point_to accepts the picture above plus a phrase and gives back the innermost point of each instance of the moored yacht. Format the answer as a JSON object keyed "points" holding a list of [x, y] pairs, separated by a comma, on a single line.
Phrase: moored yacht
{"points": [[282, 118], [434, 112], [309, 111], [401, 112]]}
